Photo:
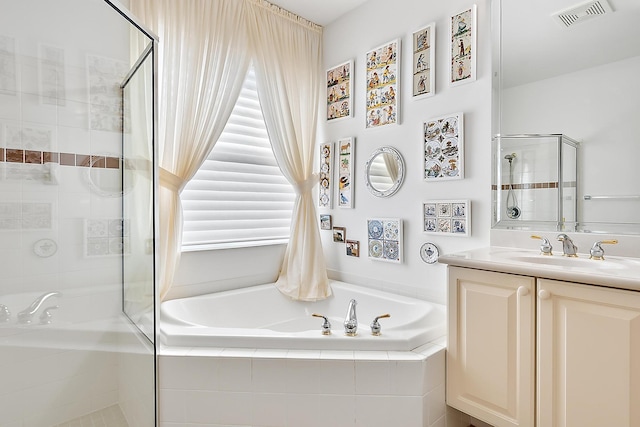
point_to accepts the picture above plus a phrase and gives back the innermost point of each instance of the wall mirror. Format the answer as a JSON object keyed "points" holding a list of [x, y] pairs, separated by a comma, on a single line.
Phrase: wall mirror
{"points": [[384, 172], [566, 67]]}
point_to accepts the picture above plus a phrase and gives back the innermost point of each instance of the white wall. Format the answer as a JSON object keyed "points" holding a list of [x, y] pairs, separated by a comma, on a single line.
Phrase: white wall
{"points": [[349, 38]]}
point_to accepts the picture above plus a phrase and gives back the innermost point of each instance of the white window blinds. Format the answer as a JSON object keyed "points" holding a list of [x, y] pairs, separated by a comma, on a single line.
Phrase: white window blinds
{"points": [[239, 196]]}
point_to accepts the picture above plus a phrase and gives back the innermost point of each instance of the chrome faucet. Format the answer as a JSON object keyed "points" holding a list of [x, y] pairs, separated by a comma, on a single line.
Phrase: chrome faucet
{"points": [[26, 315], [568, 247], [351, 321]]}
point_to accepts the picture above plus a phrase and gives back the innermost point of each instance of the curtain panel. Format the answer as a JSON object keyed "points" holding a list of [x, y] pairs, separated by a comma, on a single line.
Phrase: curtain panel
{"points": [[204, 51], [203, 58], [287, 56]]}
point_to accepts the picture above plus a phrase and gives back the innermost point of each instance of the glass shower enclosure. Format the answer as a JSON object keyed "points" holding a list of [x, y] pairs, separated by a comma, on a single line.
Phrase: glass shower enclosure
{"points": [[77, 221]]}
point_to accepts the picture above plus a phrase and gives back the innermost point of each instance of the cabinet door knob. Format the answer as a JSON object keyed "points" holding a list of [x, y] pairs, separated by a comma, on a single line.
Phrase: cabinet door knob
{"points": [[523, 291], [544, 294]]}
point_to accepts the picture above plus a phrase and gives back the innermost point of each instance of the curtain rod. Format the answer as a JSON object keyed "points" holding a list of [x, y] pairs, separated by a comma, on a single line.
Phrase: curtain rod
{"points": [[289, 15]]}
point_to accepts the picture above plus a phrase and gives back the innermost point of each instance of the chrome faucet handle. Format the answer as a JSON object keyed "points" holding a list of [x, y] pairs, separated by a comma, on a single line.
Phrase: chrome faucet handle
{"points": [[326, 325], [568, 247], [545, 246], [45, 317], [5, 314], [597, 252], [375, 326]]}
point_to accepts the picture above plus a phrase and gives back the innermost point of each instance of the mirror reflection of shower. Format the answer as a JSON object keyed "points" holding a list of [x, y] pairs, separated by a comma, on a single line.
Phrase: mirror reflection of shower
{"points": [[513, 211]]}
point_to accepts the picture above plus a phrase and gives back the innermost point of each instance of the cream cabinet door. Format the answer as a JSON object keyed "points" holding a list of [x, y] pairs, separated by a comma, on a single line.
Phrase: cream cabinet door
{"points": [[588, 356], [490, 352]]}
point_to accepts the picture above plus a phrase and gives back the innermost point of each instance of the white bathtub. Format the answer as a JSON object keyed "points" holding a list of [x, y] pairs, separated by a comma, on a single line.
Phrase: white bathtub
{"points": [[261, 317]]}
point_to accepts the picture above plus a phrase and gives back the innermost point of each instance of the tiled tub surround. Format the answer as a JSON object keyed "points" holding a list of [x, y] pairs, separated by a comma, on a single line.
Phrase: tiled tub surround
{"points": [[275, 368], [292, 388]]}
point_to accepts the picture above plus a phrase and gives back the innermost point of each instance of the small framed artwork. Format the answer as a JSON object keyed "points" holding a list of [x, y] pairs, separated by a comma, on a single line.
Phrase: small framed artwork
{"points": [[325, 222], [346, 150], [383, 85], [339, 88], [448, 217], [353, 248], [339, 234], [424, 47], [443, 143], [326, 176], [384, 239], [462, 31]]}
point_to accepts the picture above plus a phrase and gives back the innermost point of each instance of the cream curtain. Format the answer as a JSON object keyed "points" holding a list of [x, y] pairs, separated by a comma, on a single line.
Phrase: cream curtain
{"points": [[203, 58], [287, 58]]}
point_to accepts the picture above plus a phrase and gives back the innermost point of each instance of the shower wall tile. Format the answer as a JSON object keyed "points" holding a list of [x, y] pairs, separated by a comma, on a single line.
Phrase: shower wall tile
{"points": [[9, 106], [35, 112]]}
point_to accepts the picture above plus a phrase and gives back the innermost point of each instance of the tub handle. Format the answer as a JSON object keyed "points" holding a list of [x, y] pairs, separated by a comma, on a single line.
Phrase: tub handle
{"points": [[326, 325], [375, 325]]}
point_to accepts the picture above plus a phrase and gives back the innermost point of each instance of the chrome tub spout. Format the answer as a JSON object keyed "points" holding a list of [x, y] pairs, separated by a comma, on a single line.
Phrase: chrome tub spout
{"points": [[26, 315], [351, 321]]}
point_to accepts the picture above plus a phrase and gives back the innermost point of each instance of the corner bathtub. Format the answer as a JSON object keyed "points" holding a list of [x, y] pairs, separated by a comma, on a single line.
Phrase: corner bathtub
{"points": [[262, 317]]}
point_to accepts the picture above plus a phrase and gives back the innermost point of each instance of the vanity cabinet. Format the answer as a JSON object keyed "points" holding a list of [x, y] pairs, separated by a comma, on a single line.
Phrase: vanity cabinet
{"points": [[575, 347], [490, 353]]}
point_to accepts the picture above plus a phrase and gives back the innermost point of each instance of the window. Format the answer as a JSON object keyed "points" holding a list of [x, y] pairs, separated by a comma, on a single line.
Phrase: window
{"points": [[239, 196]]}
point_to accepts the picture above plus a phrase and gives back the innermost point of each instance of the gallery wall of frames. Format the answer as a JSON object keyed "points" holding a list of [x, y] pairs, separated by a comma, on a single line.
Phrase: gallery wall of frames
{"points": [[410, 92]]}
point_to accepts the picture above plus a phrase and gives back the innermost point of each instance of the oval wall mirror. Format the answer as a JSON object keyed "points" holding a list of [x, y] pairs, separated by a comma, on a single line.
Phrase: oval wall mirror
{"points": [[384, 172]]}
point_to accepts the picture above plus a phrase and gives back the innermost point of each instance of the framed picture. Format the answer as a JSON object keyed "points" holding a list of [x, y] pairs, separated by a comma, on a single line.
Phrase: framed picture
{"points": [[339, 234], [325, 222], [339, 88], [462, 31], [325, 198], [353, 248], [443, 144], [383, 85], [448, 217], [424, 48], [346, 150], [384, 239]]}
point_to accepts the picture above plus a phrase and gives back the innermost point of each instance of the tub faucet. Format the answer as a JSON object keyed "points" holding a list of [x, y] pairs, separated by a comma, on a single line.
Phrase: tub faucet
{"points": [[26, 315], [568, 247], [351, 321]]}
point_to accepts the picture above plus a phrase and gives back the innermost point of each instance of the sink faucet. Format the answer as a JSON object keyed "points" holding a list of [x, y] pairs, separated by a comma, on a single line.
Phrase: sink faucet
{"points": [[351, 321], [568, 247], [26, 315]]}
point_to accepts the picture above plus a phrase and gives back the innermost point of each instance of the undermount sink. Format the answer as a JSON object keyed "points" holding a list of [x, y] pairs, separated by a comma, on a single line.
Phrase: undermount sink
{"points": [[562, 261]]}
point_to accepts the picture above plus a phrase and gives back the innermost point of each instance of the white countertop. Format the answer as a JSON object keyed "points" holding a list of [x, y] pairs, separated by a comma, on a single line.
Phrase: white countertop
{"points": [[614, 272]]}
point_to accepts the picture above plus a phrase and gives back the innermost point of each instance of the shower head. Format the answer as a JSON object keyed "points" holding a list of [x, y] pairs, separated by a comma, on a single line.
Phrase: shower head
{"points": [[510, 157]]}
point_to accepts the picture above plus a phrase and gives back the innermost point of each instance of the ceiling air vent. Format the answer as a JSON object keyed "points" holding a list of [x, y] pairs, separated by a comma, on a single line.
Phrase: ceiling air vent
{"points": [[582, 12]]}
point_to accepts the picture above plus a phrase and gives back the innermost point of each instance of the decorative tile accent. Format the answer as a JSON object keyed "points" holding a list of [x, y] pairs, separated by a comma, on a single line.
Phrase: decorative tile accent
{"points": [[8, 80], [14, 155], [25, 216], [52, 76], [326, 176], [448, 217], [385, 239], [444, 148], [345, 172], [105, 75], [104, 237]]}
